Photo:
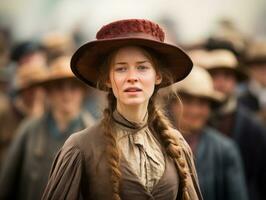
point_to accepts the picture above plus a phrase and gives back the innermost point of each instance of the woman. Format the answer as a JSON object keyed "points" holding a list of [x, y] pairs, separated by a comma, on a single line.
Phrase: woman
{"points": [[218, 161], [26, 169], [133, 153]]}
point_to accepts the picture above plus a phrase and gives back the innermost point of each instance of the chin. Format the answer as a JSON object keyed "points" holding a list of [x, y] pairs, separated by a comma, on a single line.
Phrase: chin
{"points": [[67, 110], [134, 102]]}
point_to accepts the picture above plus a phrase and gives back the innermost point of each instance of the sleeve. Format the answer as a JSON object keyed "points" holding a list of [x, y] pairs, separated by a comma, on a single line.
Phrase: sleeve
{"points": [[234, 177], [193, 187], [195, 182], [65, 175]]}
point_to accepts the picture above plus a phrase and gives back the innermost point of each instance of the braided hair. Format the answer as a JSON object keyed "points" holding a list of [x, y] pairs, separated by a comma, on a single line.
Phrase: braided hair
{"points": [[157, 120]]}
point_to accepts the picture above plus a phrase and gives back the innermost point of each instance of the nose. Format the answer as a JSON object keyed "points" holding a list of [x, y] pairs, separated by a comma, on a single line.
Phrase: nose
{"points": [[132, 76]]}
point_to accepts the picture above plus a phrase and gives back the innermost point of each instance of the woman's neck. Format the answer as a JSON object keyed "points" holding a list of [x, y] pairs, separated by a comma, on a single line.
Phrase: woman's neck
{"points": [[134, 113], [63, 119]]}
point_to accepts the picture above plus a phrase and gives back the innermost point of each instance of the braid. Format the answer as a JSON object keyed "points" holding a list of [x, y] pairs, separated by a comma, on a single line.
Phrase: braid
{"points": [[162, 125], [157, 120], [113, 156]]}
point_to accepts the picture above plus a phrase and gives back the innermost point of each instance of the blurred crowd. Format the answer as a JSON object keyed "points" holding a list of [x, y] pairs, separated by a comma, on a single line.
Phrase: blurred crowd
{"points": [[220, 108]]}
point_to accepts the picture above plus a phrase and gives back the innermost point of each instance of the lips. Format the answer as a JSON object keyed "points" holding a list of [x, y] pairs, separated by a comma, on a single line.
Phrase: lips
{"points": [[132, 89]]}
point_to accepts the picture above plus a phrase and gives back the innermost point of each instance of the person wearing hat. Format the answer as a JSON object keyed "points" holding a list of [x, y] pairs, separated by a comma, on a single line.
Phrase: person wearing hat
{"points": [[233, 120], [27, 51], [29, 101], [217, 159], [254, 96], [133, 152], [26, 168]]}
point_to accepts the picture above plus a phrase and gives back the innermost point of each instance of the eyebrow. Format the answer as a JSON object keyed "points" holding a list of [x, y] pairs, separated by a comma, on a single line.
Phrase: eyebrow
{"points": [[139, 62]]}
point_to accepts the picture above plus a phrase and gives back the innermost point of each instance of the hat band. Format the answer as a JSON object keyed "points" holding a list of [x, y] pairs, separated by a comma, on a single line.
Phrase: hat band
{"points": [[133, 35]]}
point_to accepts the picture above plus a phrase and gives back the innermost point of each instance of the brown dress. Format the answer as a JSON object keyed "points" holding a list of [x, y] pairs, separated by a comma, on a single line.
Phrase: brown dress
{"points": [[80, 171]]}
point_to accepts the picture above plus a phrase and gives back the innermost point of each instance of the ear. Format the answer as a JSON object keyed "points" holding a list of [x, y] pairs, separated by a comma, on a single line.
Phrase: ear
{"points": [[158, 79]]}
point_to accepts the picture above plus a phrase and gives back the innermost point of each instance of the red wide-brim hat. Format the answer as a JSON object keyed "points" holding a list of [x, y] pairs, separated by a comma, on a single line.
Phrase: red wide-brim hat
{"points": [[86, 61]]}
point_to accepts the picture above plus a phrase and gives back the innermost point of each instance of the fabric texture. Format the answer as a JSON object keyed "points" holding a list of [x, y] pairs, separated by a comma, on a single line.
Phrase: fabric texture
{"points": [[80, 171], [219, 167], [141, 150]]}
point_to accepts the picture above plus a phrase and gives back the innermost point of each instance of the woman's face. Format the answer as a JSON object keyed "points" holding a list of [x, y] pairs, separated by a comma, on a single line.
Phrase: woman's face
{"points": [[132, 77], [66, 96], [196, 112]]}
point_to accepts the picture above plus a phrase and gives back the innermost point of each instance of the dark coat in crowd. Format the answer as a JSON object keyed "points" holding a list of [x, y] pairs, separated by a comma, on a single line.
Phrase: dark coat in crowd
{"points": [[249, 100], [10, 120], [219, 167], [25, 172], [250, 136]]}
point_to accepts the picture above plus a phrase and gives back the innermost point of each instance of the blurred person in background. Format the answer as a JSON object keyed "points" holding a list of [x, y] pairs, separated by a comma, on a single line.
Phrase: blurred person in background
{"points": [[26, 168], [28, 51], [217, 159], [236, 122], [254, 95], [21, 54], [56, 44], [28, 101]]}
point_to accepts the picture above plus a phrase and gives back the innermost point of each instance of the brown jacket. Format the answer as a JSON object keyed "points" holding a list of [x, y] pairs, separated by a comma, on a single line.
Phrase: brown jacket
{"points": [[80, 171]]}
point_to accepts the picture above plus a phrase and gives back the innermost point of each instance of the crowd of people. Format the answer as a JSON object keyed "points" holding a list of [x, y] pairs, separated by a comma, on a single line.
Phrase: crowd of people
{"points": [[219, 108]]}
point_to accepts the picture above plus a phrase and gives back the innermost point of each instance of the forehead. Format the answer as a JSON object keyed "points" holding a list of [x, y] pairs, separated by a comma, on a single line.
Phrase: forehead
{"points": [[222, 71], [131, 53], [193, 98]]}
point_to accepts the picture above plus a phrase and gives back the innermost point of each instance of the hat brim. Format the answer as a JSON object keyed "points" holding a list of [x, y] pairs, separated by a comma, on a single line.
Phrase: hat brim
{"points": [[216, 98], [240, 74], [55, 80], [20, 89], [86, 61]]}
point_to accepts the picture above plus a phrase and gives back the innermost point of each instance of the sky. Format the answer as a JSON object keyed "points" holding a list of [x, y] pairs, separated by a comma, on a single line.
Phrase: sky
{"points": [[191, 20]]}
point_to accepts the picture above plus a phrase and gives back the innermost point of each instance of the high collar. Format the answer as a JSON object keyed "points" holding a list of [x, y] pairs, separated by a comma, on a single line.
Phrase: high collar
{"points": [[126, 124]]}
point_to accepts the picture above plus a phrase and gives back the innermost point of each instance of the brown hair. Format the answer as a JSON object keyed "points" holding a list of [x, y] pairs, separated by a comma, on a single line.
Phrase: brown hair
{"points": [[157, 121]]}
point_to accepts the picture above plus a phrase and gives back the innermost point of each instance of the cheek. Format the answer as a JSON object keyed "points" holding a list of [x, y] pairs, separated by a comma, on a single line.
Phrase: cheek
{"points": [[197, 113], [218, 83], [230, 84], [116, 83], [187, 111], [115, 88], [149, 83], [205, 112], [54, 99], [78, 95]]}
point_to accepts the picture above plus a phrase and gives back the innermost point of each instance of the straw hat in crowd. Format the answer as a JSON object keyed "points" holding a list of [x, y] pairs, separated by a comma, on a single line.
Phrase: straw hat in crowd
{"points": [[218, 59], [199, 84], [29, 75], [59, 69]]}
